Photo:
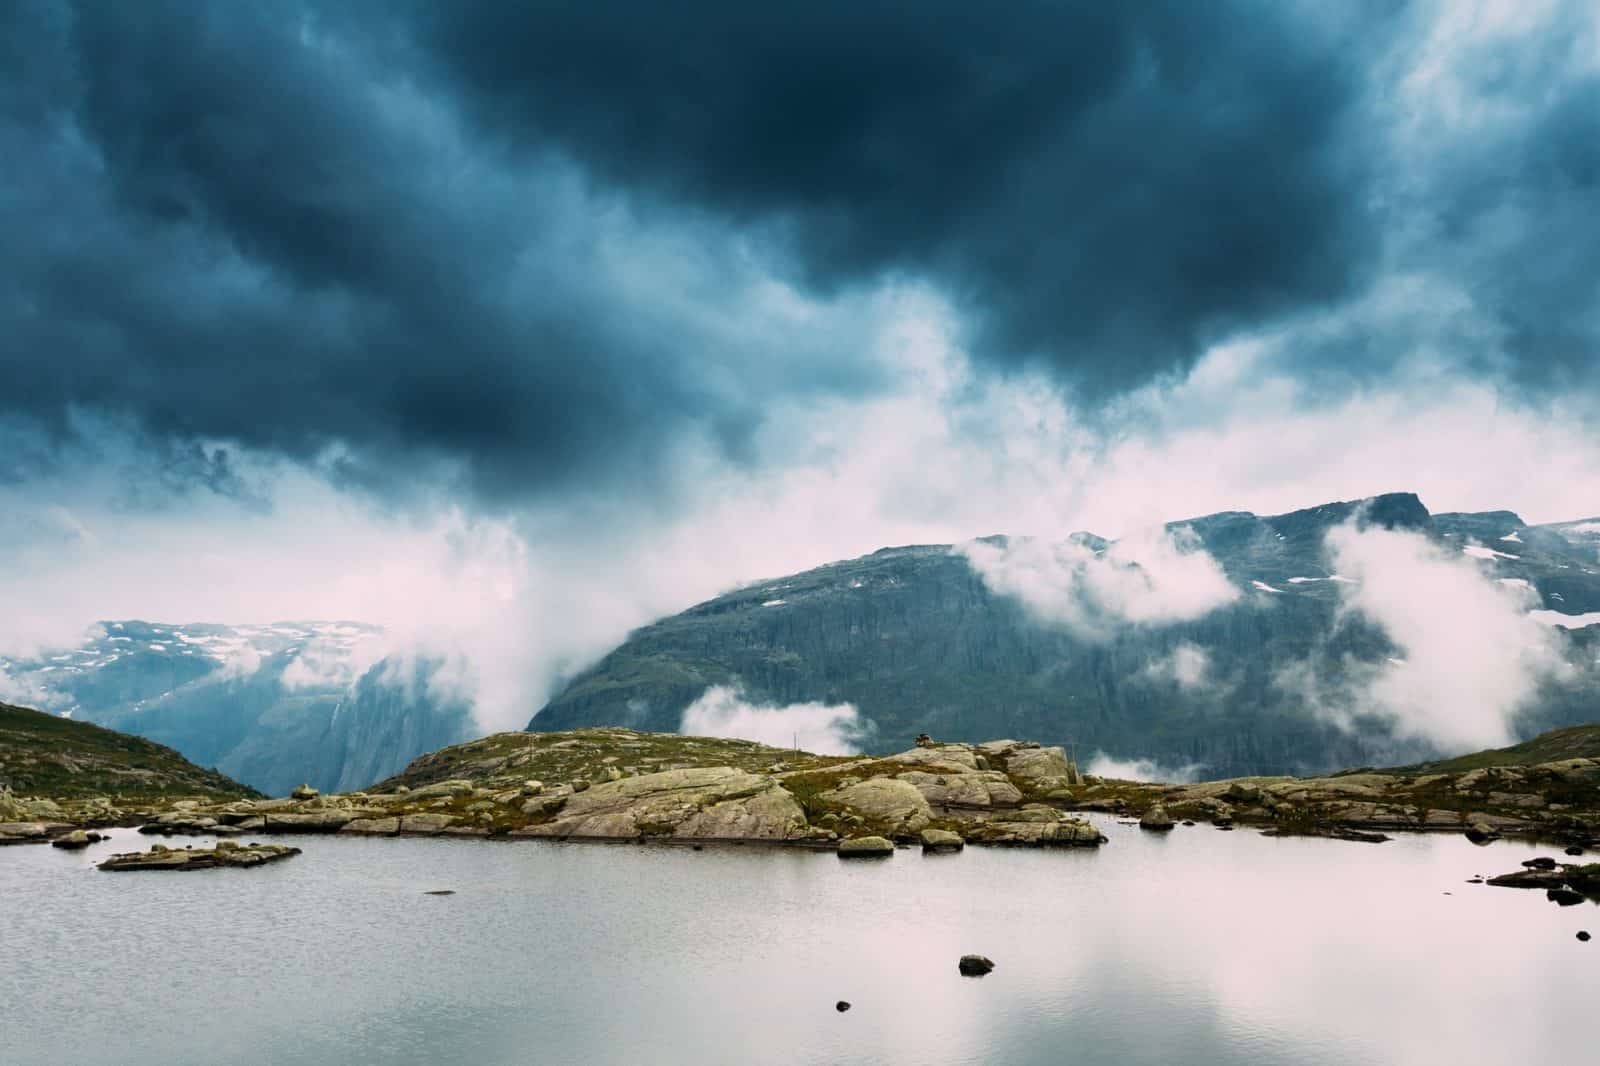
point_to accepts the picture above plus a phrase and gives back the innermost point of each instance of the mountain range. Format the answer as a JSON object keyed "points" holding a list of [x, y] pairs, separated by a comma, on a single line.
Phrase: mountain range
{"points": [[270, 705], [1360, 632], [1364, 632]]}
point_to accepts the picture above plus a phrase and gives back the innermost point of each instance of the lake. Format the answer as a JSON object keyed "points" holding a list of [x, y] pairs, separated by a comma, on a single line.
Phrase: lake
{"points": [[1193, 948]]}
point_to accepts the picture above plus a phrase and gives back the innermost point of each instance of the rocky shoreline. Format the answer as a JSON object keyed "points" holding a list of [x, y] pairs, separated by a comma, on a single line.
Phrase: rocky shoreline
{"points": [[616, 785]]}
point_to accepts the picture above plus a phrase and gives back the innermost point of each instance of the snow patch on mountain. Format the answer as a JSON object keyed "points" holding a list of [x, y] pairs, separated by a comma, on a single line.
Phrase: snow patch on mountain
{"points": [[1566, 621]]}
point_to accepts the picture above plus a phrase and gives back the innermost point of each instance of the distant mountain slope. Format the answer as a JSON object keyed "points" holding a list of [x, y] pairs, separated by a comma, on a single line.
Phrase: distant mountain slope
{"points": [[1573, 742], [271, 705], [918, 641], [47, 755]]}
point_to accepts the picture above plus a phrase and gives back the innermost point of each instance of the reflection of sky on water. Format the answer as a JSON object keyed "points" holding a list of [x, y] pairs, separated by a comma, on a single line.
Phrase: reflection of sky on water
{"points": [[1197, 947]]}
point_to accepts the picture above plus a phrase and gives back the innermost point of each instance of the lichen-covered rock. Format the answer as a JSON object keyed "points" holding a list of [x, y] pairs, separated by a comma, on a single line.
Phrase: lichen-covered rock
{"points": [[1038, 764], [950, 758], [1482, 833], [1156, 819], [308, 822], [442, 789], [385, 827], [22, 832], [304, 792], [865, 848], [426, 824], [76, 840], [709, 803], [941, 840], [971, 789], [1035, 824], [887, 803]]}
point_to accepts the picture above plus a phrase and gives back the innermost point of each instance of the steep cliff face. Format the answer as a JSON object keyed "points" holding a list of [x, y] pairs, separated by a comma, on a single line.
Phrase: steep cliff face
{"points": [[918, 641]]}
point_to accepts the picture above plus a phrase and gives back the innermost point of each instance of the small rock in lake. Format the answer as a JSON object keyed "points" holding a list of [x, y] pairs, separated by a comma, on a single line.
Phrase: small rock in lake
{"points": [[1543, 862], [844, 1005], [975, 965], [1482, 833], [1156, 818], [1583, 935], [865, 847], [1574, 850], [440, 892], [1563, 896]]}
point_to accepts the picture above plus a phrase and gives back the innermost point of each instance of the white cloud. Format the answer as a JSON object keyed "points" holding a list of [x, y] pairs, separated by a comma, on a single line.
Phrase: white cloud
{"points": [[1155, 576], [722, 711], [329, 664], [25, 692], [1189, 666], [1103, 765], [522, 598], [1470, 654]]}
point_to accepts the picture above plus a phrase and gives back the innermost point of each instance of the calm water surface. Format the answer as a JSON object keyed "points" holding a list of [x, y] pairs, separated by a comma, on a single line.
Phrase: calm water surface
{"points": [[1199, 947]]}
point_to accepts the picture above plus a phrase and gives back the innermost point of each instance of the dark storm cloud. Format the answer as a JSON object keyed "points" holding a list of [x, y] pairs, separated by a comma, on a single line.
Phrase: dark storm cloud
{"points": [[1523, 223], [1102, 185], [231, 225], [529, 246]]}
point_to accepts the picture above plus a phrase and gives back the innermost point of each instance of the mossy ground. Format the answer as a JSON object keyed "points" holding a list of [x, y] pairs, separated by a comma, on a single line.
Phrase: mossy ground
{"points": [[47, 755]]}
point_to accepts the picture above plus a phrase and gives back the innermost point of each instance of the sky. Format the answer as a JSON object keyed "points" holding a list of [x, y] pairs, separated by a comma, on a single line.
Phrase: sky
{"points": [[512, 327]]}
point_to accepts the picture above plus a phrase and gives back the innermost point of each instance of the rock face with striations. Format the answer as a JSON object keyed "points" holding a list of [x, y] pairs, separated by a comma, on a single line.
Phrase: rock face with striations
{"points": [[698, 803], [895, 804]]}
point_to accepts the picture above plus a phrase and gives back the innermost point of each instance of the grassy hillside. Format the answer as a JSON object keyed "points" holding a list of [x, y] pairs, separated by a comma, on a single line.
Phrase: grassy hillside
{"points": [[1574, 742], [581, 753], [49, 756]]}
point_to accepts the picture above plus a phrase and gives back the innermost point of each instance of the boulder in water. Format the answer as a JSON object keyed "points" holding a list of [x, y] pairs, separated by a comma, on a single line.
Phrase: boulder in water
{"points": [[1564, 896], [865, 848], [975, 965], [1482, 833], [1156, 819]]}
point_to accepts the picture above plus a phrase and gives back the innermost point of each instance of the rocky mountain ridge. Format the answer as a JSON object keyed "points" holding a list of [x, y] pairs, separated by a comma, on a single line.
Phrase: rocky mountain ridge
{"points": [[915, 640]]}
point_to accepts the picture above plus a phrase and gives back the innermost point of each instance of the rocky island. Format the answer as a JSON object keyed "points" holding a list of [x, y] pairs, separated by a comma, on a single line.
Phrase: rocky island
{"points": [[225, 853], [619, 785]]}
